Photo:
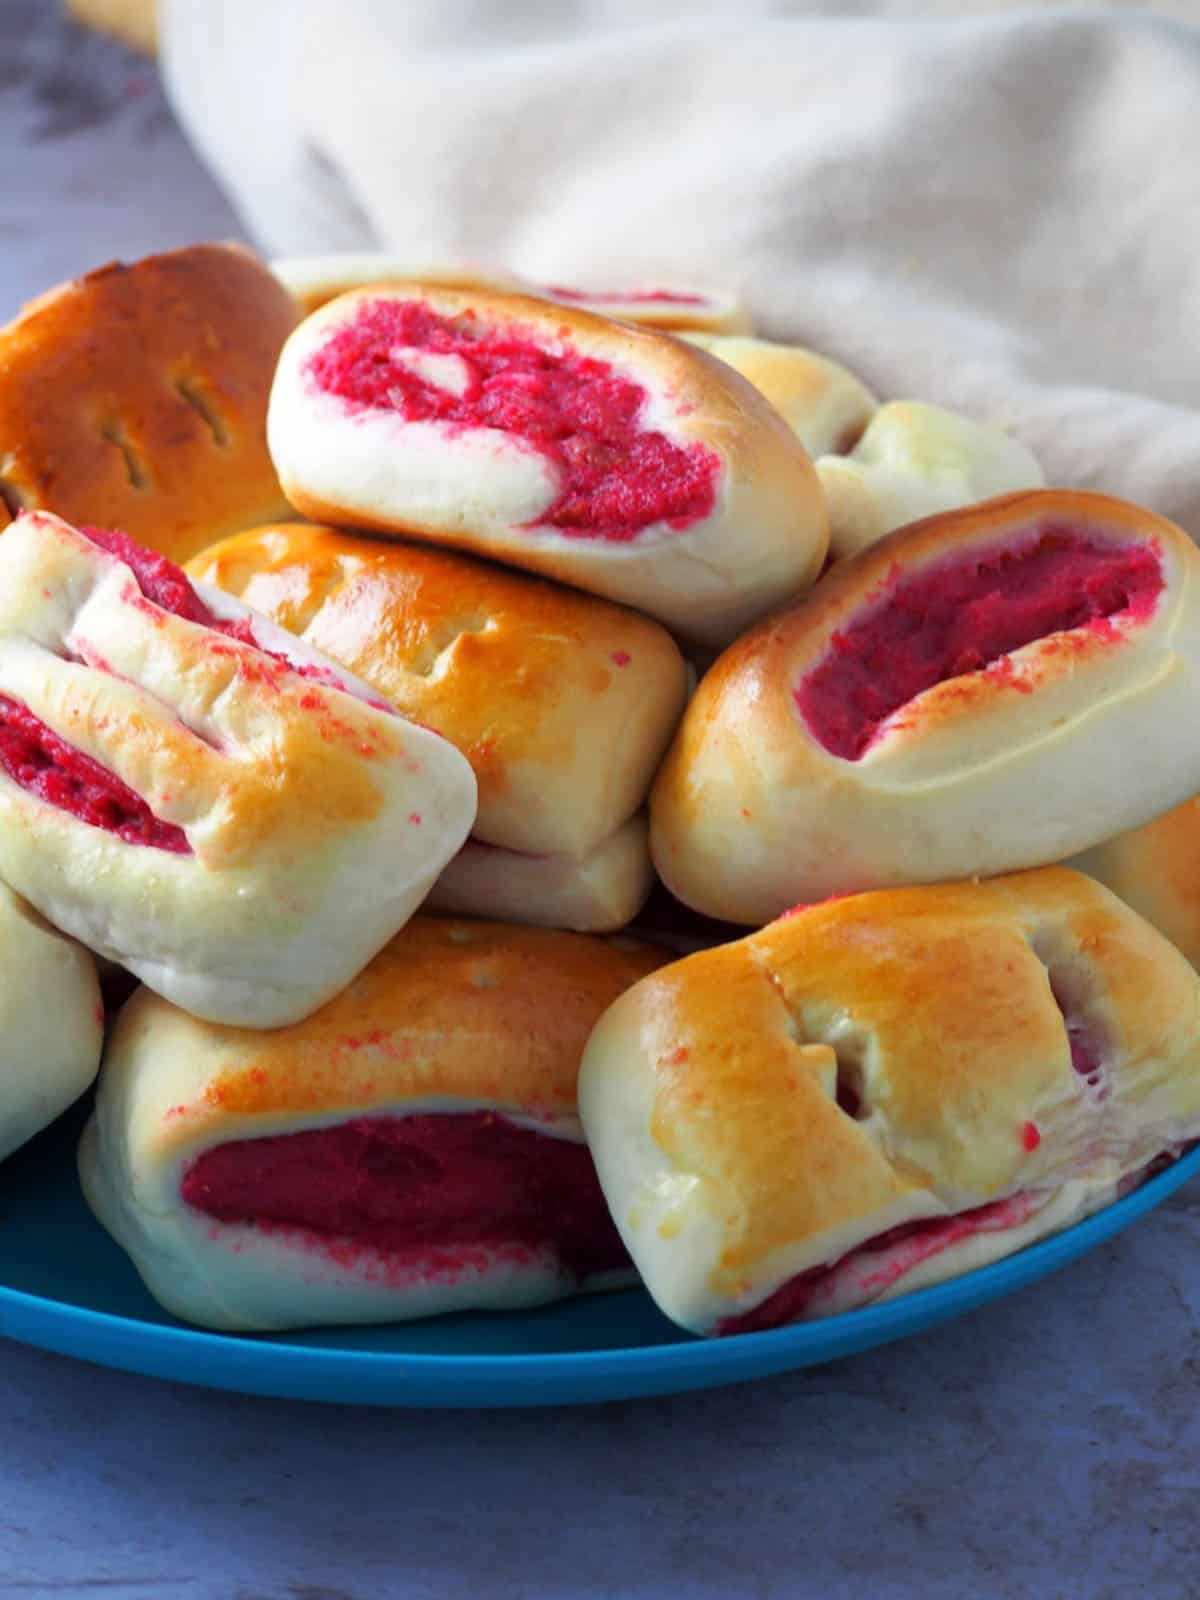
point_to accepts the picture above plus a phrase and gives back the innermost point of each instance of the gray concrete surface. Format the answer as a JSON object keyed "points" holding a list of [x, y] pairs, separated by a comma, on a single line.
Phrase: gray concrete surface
{"points": [[1046, 1448]]}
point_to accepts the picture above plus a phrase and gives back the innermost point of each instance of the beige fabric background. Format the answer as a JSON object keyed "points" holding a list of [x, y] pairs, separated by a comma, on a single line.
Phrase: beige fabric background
{"points": [[999, 213]]}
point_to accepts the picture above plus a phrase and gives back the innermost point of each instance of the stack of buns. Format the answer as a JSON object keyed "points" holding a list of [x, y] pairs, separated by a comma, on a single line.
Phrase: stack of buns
{"points": [[371, 794]]}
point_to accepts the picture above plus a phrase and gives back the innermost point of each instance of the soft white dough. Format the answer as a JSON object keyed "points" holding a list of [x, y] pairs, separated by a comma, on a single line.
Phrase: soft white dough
{"points": [[316, 822], [51, 1022]]}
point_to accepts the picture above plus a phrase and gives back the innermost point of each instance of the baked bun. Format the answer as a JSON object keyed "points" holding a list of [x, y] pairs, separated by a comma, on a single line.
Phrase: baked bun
{"points": [[313, 281], [875, 1094], [914, 460], [989, 689], [825, 405], [413, 1148], [680, 308], [52, 1020], [195, 794], [598, 892], [613, 458], [563, 704], [1156, 870], [136, 398]]}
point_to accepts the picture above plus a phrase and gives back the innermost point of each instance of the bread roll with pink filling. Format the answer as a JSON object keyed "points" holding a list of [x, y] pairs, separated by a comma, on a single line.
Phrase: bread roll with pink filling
{"points": [[678, 308], [613, 458], [197, 795], [316, 280], [135, 397], [563, 704], [873, 1095], [412, 1148], [990, 689]]}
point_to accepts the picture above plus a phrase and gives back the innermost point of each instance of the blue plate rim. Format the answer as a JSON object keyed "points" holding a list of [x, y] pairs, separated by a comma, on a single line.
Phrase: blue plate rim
{"points": [[266, 1365]]}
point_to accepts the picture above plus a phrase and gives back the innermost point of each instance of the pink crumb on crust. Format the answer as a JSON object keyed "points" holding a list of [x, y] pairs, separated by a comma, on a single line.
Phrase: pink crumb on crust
{"points": [[967, 615], [616, 477], [398, 1187]]}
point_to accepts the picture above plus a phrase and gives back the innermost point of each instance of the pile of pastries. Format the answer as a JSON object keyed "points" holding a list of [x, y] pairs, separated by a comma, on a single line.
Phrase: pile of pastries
{"points": [[400, 668]]}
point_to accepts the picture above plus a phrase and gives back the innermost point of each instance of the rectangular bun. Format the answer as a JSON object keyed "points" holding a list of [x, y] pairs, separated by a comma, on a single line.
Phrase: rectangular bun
{"points": [[136, 398], [454, 1053], [971, 1064], [562, 703]]}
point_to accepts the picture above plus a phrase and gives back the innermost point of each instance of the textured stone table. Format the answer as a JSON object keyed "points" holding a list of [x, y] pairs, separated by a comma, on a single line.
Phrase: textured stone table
{"points": [[1046, 1447]]}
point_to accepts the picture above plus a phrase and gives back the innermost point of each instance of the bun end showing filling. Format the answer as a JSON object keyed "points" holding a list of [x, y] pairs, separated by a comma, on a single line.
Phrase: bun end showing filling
{"points": [[379, 1218], [965, 615], [197, 795], [615, 475]]}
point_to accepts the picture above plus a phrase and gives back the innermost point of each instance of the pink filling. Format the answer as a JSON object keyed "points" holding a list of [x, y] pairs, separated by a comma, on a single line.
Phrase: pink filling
{"points": [[167, 586], [602, 297], [965, 616], [900, 1250], [1087, 1046], [402, 1187], [159, 580], [44, 765], [616, 478]]}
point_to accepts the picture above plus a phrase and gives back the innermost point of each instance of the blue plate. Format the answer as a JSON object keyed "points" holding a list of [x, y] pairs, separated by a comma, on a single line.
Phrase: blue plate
{"points": [[65, 1286]]}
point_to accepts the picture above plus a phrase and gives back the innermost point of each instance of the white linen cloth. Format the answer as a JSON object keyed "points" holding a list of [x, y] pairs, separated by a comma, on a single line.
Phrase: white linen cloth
{"points": [[999, 214]]}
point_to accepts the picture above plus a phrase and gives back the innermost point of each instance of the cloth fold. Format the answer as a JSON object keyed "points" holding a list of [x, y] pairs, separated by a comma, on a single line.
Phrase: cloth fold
{"points": [[998, 214]]}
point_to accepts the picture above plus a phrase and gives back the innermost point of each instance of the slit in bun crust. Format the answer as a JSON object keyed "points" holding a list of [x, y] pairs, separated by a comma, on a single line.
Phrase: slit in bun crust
{"points": [[197, 795], [136, 398], [412, 1148], [562, 703], [613, 458], [988, 690], [887, 1090], [52, 1020]]}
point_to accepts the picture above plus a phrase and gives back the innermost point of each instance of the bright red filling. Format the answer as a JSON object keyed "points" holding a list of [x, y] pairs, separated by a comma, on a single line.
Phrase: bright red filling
{"points": [[616, 478], [35, 757], [964, 616], [168, 587], [600, 297], [920, 1241], [159, 580], [404, 1186]]}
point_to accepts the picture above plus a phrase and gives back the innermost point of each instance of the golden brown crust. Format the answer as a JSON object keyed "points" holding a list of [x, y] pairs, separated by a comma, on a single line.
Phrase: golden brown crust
{"points": [[477, 488], [562, 703], [136, 398], [750, 812], [451, 1009], [943, 1009], [134, 22], [1156, 870]]}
